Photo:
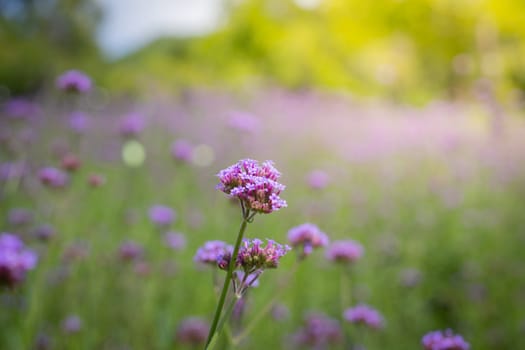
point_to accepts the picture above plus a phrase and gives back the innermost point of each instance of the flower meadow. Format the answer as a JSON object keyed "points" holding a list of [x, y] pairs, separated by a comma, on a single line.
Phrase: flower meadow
{"points": [[276, 219]]}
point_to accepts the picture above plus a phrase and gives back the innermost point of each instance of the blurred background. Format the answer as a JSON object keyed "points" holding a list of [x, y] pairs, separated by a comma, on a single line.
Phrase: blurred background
{"points": [[403, 50]]}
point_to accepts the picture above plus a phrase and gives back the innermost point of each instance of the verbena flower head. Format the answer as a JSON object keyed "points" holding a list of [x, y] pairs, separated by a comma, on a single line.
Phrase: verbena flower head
{"points": [[53, 177], [318, 179], [175, 240], [20, 108], [364, 314], [72, 324], [44, 232], [254, 255], [192, 331], [319, 331], [255, 185], [307, 237], [346, 251], [19, 217], [79, 122], [161, 215], [130, 250], [243, 121], [132, 125], [15, 260], [182, 150], [211, 251], [444, 340], [74, 81]]}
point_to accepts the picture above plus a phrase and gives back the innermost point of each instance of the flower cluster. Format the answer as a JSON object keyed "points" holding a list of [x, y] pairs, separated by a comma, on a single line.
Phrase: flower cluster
{"points": [[161, 215], [53, 177], [211, 251], [447, 340], [15, 260], [74, 81], [131, 125], [318, 179], [254, 256], [255, 185], [347, 251], [319, 331], [192, 331], [364, 314], [307, 236]]}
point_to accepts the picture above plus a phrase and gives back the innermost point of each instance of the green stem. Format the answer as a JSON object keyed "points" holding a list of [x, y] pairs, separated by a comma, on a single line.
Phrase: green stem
{"points": [[237, 339], [227, 281]]}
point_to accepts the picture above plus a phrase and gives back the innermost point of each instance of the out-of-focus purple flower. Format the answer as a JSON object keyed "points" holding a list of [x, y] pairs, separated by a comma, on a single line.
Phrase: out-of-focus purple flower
{"points": [[347, 251], [43, 342], [142, 268], [444, 340], [182, 150], [74, 81], [130, 250], [255, 185], [44, 232], [72, 324], [254, 256], [70, 162], [79, 122], [211, 251], [53, 177], [307, 237], [319, 332], [75, 252], [161, 215], [132, 125], [96, 180], [10, 170], [364, 314], [192, 331], [19, 217], [175, 240], [20, 108], [280, 312], [244, 122], [15, 260], [317, 179]]}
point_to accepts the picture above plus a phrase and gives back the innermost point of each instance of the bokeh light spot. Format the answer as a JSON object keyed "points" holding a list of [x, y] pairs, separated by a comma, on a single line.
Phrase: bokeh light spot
{"points": [[203, 155], [133, 153]]}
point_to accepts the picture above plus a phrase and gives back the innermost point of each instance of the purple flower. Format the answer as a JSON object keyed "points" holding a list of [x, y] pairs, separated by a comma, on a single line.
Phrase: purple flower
{"points": [[130, 251], [161, 215], [132, 125], [253, 255], [364, 314], [347, 251], [255, 185], [74, 81], [175, 240], [192, 331], [10, 170], [15, 260], [20, 108], [72, 324], [318, 179], [444, 340], [182, 150], [44, 232], [79, 122], [53, 177], [19, 217], [307, 236], [319, 331], [244, 122], [211, 251]]}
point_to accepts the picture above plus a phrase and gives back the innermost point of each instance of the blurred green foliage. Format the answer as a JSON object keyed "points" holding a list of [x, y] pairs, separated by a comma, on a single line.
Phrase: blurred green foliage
{"points": [[406, 50], [41, 37]]}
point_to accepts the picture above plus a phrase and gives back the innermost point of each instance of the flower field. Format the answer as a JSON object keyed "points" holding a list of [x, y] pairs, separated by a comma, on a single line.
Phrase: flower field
{"points": [[373, 226]]}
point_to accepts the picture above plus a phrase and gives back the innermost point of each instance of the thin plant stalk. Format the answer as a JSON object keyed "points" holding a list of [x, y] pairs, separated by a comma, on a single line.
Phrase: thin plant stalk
{"points": [[227, 280]]}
